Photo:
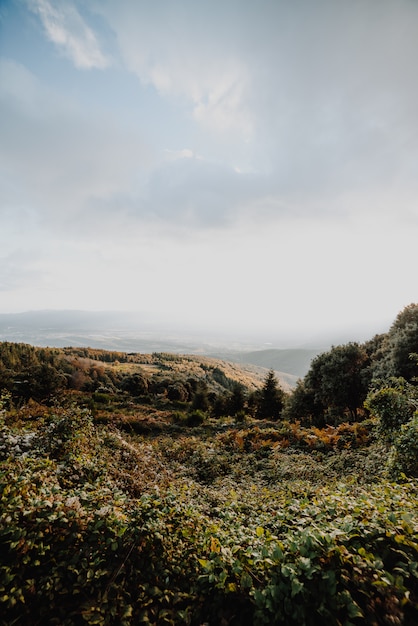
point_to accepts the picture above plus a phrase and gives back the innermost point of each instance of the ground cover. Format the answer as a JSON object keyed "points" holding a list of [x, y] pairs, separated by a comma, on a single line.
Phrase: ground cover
{"points": [[225, 522]]}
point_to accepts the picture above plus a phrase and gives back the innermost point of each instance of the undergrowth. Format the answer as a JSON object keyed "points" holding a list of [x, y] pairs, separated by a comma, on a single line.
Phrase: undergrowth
{"points": [[233, 526]]}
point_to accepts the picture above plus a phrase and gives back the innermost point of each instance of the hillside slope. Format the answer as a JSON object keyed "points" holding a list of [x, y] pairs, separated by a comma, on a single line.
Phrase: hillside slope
{"points": [[290, 364]]}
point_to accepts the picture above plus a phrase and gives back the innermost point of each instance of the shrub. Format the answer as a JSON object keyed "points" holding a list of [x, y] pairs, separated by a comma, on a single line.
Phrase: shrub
{"points": [[195, 418], [393, 408], [97, 527], [403, 457]]}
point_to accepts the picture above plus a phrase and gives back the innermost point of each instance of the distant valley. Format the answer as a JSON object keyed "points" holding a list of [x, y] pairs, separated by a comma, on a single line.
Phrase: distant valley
{"points": [[130, 332]]}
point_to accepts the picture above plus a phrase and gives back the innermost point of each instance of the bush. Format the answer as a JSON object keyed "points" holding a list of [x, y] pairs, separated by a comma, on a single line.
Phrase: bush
{"points": [[195, 418], [403, 457], [393, 408], [97, 527]]}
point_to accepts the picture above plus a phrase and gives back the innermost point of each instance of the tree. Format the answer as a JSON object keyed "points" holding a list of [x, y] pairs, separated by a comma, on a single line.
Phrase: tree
{"points": [[236, 401], [39, 382], [270, 398], [395, 356], [177, 392], [200, 399], [338, 381], [403, 457], [136, 384], [302, 405]]}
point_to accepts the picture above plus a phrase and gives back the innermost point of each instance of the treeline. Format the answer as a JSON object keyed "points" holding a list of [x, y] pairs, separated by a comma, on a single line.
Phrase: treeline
{"points": [[339, 381], [342, 385], [45, 374]]}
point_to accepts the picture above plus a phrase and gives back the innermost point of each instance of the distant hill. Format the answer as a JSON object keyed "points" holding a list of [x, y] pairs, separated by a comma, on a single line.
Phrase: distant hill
{"points": [[292, 361], [133, 332], [107, 330]]}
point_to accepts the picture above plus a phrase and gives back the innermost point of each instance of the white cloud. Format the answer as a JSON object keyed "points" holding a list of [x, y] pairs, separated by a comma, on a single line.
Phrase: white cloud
{"points": [[168, 47], [318, 96], [18, 271], [60, 160], [65, 27], [277, 187], [220, 105], [184, 153]]}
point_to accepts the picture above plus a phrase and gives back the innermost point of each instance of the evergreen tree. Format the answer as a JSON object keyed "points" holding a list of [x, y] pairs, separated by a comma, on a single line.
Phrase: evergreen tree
{"points": [[236, 401], [270, 399]]}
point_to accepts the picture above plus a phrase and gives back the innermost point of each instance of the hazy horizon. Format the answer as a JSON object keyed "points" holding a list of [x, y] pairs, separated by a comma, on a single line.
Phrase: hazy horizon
{"points": [[125, 328], [249, 169]]}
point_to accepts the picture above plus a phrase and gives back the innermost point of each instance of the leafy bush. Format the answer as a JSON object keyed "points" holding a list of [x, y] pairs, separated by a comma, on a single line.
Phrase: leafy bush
{"points": [[403, 457], [393, 408], [195, 418], [101, 527]]}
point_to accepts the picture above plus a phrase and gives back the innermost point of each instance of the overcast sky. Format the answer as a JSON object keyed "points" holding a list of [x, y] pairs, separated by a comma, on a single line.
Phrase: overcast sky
{"points": [[233, 164]]}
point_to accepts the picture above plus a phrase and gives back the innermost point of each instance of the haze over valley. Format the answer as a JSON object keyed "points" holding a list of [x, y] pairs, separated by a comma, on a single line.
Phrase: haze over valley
{"points": [[288, 355]]}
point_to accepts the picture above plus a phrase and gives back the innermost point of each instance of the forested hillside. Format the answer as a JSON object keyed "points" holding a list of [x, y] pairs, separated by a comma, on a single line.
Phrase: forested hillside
{"points": [[173, 489]]}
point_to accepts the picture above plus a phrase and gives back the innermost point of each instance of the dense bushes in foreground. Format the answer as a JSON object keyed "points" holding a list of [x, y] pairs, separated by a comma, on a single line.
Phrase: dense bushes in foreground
{"points": [[98, 527], [190, 499]]}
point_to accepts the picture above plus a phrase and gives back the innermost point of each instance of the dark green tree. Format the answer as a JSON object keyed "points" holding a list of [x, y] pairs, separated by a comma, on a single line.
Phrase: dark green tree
{"points": [[339, 379], [200, 398], [135, 384], [39, 382], [270, 398], [236, 401], [336, 384], [395, 355], [394, 406], [177, 392], [302, 405]]}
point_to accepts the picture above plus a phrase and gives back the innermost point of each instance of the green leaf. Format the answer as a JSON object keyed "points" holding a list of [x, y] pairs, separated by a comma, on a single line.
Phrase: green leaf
{"points": [[297, 587], [246, 580], [354, 610]]}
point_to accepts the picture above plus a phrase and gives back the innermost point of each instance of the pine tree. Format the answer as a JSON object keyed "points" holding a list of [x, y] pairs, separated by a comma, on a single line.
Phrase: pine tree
{"points": [[271, 398]]}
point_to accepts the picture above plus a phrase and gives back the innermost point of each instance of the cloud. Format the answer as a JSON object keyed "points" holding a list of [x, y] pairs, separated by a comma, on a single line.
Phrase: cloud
{"points": [[58, 158], [171, 46], [316, 99], [235, 163], [333, 95], [289, 111], [65, 27], [195, 192], [18, 271]]}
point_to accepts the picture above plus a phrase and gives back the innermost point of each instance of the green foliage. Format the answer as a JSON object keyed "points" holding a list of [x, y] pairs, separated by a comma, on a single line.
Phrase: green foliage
{"points": [[136, 384], [398, 425], [90, 534], [270, 398], [338, 379], [393, 408], [395, 357], [302, 404], [145, 520], [403, 457], [236, 401]]}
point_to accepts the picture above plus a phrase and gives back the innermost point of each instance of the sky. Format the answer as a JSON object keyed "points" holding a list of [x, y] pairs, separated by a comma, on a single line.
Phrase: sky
{"points": [[233, 165]]}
